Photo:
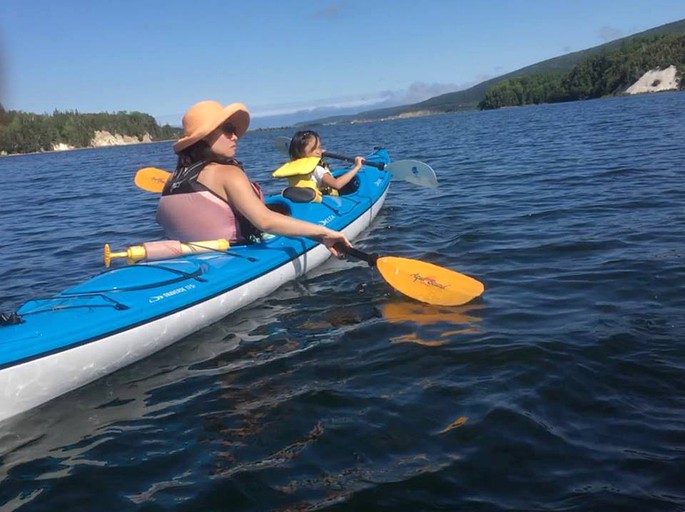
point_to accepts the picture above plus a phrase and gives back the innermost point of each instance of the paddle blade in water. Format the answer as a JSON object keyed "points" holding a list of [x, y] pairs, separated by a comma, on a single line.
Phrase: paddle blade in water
{"points": [[413, 171], [151, 179], [428, 283]]}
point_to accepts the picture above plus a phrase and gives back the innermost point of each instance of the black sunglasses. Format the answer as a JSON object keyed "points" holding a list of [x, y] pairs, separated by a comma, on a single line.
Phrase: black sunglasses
{"points": [[228, 129]]}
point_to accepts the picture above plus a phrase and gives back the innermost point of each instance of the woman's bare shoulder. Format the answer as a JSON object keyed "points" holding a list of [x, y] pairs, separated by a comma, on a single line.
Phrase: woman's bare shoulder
{"points": [[225, 172], [223, 167], [224, 177]]}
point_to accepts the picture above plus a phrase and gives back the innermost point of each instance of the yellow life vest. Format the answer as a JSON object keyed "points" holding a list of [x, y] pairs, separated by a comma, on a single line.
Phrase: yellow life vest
{"points": [[299, 173]]}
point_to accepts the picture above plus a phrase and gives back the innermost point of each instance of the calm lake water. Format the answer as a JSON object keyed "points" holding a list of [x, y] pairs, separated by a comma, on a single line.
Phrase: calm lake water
{"points": [[560, 389]]}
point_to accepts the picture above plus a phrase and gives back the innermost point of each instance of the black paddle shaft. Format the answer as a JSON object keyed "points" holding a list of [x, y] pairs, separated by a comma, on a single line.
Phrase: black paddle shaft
{"points": [[335, 156], [360, 255]]}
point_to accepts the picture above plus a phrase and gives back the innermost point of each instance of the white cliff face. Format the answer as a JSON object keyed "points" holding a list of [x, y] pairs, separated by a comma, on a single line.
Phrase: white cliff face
{"points": [[655, 80], [100, 139], [103, 138], [61, 147]]}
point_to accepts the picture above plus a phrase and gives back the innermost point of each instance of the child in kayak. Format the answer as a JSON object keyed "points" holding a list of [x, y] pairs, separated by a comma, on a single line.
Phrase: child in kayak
{"points": [[307, 143], [209, 196]]}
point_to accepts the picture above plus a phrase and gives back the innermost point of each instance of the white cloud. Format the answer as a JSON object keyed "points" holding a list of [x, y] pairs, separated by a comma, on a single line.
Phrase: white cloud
{"points": [[326, 103], [416, 92], [420, 91]]}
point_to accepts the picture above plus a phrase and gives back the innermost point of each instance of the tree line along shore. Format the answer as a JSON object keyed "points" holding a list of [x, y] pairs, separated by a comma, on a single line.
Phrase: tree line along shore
{"points": [[23, 132]]}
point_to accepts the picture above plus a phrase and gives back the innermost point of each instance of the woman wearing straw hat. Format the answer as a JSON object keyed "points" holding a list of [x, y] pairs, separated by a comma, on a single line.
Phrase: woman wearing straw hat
{"points": [[209, 195]]}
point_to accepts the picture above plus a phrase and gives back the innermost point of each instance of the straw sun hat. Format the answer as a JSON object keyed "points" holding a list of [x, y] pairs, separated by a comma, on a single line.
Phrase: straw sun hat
{"points": [[206, 116]]}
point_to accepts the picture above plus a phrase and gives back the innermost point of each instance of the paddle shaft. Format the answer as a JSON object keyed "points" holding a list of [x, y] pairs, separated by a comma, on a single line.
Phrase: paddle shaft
{"points": [[344, 158], [371, 259]]}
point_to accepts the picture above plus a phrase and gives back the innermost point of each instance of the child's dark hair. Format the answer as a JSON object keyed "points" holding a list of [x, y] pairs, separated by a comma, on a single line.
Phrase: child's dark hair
{"points": [[299, 142]]}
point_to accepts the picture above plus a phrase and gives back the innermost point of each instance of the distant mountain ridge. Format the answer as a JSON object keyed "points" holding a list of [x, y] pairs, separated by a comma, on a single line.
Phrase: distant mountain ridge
{"points": [[468, 99]]}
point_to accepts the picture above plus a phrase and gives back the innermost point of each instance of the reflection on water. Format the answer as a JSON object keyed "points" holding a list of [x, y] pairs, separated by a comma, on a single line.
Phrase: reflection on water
{"points": [[437, 318], [461, 420]]}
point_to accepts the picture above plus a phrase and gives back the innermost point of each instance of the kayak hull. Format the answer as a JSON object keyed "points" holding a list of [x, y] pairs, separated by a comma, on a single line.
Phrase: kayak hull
{"points": [[129, 313]]}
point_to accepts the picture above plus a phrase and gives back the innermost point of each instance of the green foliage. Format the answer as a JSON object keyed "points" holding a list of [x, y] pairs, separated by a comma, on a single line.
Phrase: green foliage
{"points": [[24, 132], [604, 74], [526, 90]]}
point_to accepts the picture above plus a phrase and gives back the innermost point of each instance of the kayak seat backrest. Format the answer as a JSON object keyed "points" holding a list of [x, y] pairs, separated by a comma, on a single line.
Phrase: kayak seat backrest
{"points": [[300, 194], [309, 195]]}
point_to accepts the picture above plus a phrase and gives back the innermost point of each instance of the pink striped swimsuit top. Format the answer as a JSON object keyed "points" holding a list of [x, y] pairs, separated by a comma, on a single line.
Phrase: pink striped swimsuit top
{"points": [[188, 211]]}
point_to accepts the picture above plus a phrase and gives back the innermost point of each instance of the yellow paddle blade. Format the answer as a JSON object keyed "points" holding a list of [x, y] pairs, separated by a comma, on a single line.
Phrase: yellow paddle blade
{"points": [[428, 283], [151, 179], [297, 167]]}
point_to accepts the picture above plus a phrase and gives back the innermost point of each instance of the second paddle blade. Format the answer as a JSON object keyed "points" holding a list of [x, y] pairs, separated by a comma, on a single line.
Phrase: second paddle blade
{"points": [[414, 171], [428, 283], [151, 179]]}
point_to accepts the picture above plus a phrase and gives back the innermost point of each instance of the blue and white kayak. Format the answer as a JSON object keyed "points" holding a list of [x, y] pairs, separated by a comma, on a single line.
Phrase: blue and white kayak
{"points": [[125, 314]]}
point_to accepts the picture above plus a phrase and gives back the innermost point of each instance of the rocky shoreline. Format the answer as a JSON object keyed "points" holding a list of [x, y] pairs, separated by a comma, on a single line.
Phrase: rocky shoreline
{"points": [[102, 141], [104, 138]]}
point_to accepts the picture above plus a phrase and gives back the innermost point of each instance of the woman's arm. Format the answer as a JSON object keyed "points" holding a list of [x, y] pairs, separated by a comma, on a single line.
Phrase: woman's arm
{"points": [[337, 183], [240, 195]]}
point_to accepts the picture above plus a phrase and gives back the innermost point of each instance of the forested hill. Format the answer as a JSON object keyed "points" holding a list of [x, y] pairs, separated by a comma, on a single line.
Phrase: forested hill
{"points": [[469, 99], [23, 132], [606, 74]]}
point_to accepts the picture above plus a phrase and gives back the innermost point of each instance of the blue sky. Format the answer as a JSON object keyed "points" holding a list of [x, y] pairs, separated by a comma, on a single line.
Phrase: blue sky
{"points": [[278, 56]]}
